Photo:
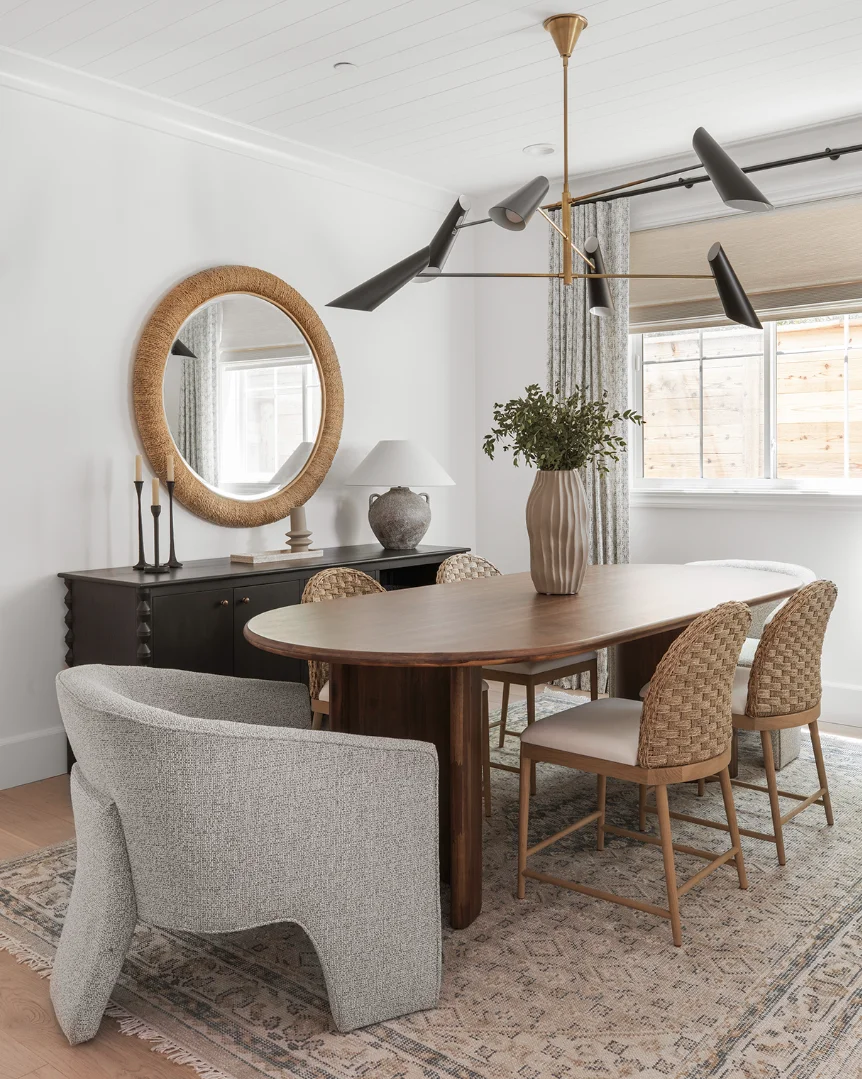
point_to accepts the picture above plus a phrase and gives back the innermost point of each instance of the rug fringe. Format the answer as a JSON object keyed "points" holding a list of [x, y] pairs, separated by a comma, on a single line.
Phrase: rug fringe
{"points": [[134, 1027], [25, 956], [129, 1024]]}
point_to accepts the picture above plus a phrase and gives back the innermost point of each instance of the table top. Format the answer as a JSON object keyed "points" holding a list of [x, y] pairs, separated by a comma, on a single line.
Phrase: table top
{"points": [[208, 569], [503, 619]]}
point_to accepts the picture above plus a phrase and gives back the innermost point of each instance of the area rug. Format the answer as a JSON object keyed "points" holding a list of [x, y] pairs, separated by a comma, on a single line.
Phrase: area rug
{"points": [[767, 984]]}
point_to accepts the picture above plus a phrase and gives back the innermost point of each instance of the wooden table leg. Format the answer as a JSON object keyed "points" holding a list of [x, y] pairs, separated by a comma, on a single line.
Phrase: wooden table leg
{"points": [[441, 705], [633, 664]]}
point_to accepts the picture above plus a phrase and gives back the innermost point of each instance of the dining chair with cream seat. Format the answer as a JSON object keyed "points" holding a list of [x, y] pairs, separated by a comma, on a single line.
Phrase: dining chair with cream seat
{"points": [[785, 743], [530, 674], [337, 582], [781, 691], [681, 732], [342, 582]]}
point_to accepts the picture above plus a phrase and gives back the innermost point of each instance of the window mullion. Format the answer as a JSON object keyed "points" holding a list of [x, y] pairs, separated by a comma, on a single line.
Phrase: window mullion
{"points": [[846, 397], [700, 349], [770, 383]]}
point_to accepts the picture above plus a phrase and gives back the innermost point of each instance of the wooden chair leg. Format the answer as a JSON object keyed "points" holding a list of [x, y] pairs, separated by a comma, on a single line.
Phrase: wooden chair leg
{"points": [[531, 718], [734, 755], [594, 680], [701, 788], [642, 793], [730, 813], [601, 792], [486, 754], [821, 770], [504, 711], [772, 785], [669, 867], [523, 823]]}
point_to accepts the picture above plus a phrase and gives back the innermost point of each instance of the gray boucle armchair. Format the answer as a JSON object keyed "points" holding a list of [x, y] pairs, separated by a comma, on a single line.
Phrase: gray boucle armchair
{"points": [[207, 804]]}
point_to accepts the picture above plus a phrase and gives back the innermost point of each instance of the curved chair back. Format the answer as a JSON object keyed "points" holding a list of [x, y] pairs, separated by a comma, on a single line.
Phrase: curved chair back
{"points": [[785, 673], [465, 567], [763, 612], [686, 713], [338, 582]]}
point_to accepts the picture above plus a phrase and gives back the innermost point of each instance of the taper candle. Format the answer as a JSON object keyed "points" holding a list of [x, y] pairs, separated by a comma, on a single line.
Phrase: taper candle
{"points": [[170, 467], [139, 468], [155, 490]]}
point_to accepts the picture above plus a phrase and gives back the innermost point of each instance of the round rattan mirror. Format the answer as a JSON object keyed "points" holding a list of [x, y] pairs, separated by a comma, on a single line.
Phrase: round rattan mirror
{"points": [[237, 379]]}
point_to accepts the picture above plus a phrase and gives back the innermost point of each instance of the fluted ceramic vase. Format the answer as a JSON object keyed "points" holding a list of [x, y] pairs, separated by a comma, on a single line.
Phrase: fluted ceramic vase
{"points": [[558, 527]]}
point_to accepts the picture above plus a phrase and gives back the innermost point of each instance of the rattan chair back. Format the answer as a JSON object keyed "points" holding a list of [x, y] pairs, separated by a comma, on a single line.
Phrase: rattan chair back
{"points": [[465, 567], [785, 673], [686, 714], [337, 582]]}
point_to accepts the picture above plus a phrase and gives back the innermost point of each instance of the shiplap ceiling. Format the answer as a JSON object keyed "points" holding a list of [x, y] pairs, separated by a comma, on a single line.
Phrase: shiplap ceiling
{"points": [[450, 91]]}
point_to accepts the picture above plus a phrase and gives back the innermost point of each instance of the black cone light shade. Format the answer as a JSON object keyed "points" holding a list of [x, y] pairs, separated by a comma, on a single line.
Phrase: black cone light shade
{"points": [[444, 238], [599, 296], [371, 294], [515, 211], [179, 349], [730, 181], [736, 304]]}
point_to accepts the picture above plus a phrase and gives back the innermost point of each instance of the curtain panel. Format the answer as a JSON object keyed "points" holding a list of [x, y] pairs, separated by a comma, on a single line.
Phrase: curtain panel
{"points": [[592, 352], [198, 412]]}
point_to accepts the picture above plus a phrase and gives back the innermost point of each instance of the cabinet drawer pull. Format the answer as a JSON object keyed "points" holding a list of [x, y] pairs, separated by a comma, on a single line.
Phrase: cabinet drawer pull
{"points": [[224, 603], [245, 599]]}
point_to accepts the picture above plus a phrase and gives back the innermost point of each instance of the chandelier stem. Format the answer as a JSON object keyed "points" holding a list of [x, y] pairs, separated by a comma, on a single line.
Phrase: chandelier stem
{"points": [[566, 196], [555, 226]]}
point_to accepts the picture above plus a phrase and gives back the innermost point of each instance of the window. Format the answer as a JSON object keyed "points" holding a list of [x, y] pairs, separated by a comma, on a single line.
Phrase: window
{"points": [[267, 408], [727, 405]]}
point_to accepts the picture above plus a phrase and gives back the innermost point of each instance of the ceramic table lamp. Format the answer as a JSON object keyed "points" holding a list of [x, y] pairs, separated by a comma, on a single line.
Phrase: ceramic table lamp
{"points": [[400, 518]]}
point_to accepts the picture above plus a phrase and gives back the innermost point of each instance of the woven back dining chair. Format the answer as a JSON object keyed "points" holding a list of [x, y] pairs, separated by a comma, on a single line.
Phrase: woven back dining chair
{"points": [[337, 582], [531, 673], [680, 733], [782, 690]]}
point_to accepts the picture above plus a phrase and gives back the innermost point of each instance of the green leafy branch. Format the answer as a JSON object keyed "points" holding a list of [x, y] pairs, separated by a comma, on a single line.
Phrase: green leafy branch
{"points": [[558, 434]]}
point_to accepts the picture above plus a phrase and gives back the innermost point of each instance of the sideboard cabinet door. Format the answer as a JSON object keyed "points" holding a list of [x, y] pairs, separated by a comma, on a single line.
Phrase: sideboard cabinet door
{"points": [[251, 662], [193, 631]]}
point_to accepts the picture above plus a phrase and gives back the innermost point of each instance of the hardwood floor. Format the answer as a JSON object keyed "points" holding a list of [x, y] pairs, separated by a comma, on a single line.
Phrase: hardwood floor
{"points": [[31, 1044]]}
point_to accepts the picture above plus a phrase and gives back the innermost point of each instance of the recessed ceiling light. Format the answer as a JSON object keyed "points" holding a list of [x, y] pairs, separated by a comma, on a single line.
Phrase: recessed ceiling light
{"points": [[539, 149], [344, 66]]}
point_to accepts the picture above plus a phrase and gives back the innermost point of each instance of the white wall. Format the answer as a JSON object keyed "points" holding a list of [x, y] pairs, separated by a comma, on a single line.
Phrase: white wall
{"points": [[511, 351], [102, 214]]}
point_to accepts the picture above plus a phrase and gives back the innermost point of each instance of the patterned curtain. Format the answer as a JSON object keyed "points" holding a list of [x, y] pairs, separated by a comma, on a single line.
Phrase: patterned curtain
{"points": [[592, 352], [198, 414]]}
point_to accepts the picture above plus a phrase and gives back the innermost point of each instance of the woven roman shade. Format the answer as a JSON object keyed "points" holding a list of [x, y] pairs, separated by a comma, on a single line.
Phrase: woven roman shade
{"points": [[796, 259]]}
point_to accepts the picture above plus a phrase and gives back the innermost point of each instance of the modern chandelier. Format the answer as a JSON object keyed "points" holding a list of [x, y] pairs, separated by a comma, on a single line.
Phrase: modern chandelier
{"points": [[514, 213]]}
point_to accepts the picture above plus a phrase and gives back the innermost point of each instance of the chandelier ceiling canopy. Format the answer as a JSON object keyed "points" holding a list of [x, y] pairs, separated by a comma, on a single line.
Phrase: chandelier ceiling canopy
{"points": [[515, 211]]}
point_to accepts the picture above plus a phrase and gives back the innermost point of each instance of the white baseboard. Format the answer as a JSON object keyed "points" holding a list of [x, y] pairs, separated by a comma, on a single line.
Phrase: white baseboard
{"points": [[26, 758], [842, 703]]}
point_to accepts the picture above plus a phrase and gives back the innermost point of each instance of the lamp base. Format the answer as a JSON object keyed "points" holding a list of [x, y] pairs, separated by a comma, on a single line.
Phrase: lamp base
{"points": [[400, 518]]}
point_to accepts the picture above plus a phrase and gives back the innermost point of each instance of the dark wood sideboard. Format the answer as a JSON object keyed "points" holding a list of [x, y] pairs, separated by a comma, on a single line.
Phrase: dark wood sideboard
{"points": [[192, 618]]}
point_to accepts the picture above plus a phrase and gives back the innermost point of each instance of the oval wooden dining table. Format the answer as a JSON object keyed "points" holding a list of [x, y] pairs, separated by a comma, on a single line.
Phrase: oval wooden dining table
{"points": [[406, 664]]}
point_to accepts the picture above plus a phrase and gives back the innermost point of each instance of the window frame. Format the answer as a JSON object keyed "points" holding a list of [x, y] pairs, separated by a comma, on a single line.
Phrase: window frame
{"points": [[770, 483]]}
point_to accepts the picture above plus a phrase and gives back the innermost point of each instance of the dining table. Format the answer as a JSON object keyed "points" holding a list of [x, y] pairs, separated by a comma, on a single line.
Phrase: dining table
{"points": [[407, 663]]}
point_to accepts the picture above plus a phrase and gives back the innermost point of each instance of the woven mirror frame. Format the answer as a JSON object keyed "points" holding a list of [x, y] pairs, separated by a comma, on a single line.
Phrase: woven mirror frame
{"points": [[152, 356]]}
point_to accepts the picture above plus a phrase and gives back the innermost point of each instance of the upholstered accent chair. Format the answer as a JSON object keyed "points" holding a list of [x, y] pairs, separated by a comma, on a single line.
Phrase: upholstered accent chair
{"points": [[337, 582], [207, 804], [470, 567], [785, 743], [680, 733], [781, 690]]}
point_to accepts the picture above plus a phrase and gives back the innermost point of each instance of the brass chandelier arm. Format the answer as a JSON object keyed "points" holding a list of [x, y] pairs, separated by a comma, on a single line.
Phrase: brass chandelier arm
{"points": [[586, 276], [554, 225]]}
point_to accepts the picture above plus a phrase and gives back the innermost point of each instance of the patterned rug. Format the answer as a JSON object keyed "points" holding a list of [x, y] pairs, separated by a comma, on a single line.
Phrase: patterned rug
{"points": [[768, 982]]}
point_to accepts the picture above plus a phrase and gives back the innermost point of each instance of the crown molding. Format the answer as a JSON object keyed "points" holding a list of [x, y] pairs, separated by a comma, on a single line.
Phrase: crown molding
{"points": [[80, 90]]}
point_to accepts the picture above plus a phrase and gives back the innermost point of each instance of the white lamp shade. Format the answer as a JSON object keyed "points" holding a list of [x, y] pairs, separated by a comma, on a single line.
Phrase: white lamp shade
{"points": [[399, 463], [293, 465]]}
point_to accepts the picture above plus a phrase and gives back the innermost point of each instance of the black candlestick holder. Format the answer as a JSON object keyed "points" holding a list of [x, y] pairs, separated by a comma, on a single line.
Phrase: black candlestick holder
{"points": [[173, 562], [142, 562], [156, 567]]}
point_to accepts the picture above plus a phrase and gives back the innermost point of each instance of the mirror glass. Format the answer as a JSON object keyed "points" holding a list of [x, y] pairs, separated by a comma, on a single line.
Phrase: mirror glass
{"points": [[242, 396]]}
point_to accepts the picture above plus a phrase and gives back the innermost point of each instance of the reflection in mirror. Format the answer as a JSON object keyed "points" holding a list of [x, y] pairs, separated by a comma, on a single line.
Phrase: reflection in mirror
{"points": [[242, 396]]}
